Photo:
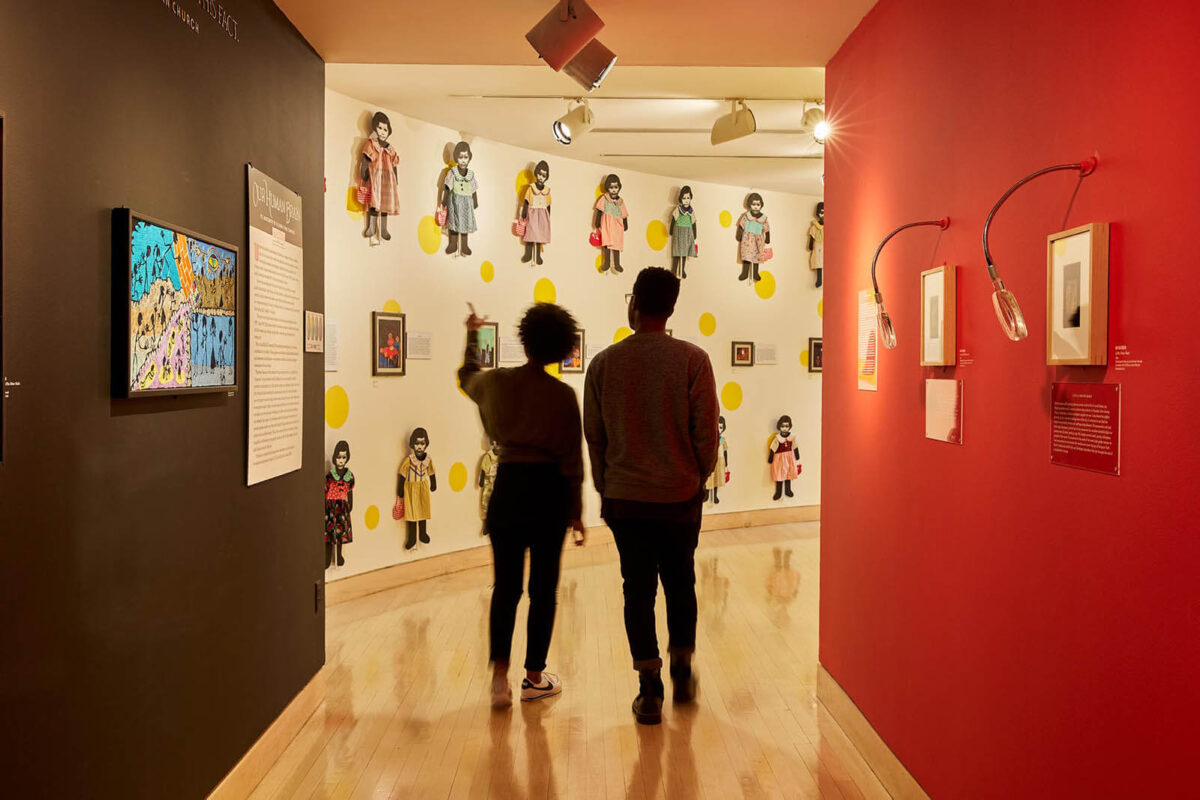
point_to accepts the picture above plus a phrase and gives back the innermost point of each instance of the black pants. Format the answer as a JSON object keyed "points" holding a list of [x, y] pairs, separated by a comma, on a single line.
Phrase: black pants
{"points": [[650, 550], [528, 511]]}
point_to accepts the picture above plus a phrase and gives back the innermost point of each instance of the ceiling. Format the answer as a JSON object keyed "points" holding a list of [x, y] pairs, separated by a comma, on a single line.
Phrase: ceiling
{"points": [[667, 134], [781, 33]]}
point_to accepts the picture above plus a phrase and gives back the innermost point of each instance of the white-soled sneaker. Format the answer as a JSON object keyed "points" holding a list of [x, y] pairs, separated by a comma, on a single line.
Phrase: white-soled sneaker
{"points": [[551, 685], [501, 693]]}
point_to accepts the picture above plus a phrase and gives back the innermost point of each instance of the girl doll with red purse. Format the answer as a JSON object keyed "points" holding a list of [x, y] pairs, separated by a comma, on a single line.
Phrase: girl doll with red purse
{"points": [[378, 181], [610, 220], [754, 236], [781, 455]]}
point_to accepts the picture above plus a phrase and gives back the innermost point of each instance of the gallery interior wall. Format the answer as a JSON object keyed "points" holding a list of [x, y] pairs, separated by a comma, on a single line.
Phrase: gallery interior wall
{"points": [[159, 614], [376, 415], [1012, 628]]}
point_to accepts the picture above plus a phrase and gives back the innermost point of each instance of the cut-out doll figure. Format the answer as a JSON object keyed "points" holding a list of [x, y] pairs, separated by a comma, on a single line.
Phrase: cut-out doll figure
{"points": [[535, 210], [781, 455], [339, 502], [415, 484], [488, 466], [378, 183], [683, 233], [816, 242], [611, 218], [720, 473], [459, 196], [753, 235]]}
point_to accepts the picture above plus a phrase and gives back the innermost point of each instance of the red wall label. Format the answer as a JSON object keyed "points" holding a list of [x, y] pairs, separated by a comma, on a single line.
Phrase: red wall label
{"points": [[1085, 426]]}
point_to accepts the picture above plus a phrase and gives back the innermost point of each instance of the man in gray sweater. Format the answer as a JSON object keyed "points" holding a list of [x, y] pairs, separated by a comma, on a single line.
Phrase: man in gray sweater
{"points": [[650, 420]]}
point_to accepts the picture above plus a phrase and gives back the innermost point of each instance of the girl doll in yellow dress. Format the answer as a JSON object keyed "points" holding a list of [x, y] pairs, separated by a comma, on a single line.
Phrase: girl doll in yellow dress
{"points": [[720, 473], [415, 483]]}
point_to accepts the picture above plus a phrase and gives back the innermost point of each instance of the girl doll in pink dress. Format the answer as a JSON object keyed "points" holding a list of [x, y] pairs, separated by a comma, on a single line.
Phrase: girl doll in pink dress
{"points": [[611, 218], [535, 210], [782, 457], [378, 184], [753, 235]]}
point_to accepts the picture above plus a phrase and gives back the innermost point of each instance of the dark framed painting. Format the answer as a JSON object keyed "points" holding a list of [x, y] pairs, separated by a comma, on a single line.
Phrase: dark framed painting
{"points": [[574, 361], [175, 308], [814, 353], [389, 342], [489, 344], [742, 354]]}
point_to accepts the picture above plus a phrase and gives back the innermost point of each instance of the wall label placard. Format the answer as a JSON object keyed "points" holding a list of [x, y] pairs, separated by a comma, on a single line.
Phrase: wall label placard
{"points": [[868, 342], [1085, 426], [1123, 359]]}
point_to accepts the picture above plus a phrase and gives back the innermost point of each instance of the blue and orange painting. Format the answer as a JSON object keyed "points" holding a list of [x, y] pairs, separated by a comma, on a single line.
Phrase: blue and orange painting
{"points": [[182, 311]]}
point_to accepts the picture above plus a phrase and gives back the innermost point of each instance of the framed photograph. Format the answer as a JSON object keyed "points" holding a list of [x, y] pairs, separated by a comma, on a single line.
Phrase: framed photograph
{"points": [[489, 340], [175, 309], [1077, 295], [939, 306], [742, 354], [389, 341], [574, 362], [815, 363]]}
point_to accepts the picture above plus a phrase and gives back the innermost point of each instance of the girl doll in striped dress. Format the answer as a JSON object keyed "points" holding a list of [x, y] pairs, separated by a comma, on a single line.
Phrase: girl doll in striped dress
{"points": [[781, 455], [535, 210], [753, 235], [378, 183], [415, 483], [611, 219], [683, 233]]}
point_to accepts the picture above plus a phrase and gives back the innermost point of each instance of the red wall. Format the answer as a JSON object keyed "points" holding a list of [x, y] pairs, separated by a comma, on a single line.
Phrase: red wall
{"points": [[1013, 629]]}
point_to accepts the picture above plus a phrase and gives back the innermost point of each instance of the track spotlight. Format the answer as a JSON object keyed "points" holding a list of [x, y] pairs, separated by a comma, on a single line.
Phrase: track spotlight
{"points": [[734, 125], [591, 65], [814, 122], [575, 123]]}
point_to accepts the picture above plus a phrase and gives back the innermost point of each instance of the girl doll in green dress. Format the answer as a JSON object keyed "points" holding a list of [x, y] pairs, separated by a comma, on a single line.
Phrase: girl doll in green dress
{"points": [[415, 483], [683, 233]]}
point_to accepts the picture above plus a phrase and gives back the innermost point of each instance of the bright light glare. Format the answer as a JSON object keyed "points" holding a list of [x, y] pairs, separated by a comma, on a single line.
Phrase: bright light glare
{"points": [[821, 132]]}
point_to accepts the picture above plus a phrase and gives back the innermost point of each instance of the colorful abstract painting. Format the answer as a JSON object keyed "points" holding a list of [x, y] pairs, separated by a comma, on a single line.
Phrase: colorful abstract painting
{"points": [[182, 311]]}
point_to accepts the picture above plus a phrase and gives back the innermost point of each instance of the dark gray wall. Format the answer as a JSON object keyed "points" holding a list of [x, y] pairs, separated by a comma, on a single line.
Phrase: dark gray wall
{"points": [[157, 613]]}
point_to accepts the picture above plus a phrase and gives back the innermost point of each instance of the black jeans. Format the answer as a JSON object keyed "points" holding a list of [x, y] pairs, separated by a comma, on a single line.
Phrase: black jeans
{"points": [[650, 550], [528, 511]]}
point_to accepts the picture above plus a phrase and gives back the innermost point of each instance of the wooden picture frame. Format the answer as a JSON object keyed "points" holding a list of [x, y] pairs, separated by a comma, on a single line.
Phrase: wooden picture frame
{"points": [[939, 317], [389, 343], [816, 351], [1077, 296], [741, 354], [573, 363], [489, 345]]}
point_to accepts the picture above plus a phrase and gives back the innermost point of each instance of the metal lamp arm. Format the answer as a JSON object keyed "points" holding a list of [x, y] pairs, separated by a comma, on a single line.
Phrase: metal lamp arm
{"points": [[942, 223]]}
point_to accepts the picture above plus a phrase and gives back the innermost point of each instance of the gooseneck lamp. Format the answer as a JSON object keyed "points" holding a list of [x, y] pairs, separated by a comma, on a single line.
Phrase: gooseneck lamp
{"points": [[1008, 310], [887, 332]]}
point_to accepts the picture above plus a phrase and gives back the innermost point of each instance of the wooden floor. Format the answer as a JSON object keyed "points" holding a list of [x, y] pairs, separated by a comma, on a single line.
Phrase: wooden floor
{"points": [[406, 713]]}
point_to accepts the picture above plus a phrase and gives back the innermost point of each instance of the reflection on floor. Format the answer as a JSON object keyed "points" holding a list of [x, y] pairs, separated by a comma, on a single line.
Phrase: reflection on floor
{"points": [[406, 714]]}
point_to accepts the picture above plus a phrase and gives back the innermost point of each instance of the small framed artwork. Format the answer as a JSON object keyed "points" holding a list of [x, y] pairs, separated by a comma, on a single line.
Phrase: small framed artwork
{"points": [[1077, 295], [742, 354], [938, 311], [389, 342], [489, 336], [815, 345], [574, 361]]}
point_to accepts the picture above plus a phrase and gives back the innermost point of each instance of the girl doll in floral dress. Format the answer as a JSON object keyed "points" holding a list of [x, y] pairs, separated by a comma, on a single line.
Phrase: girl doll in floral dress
{"points": [[459, 196], [415, 483], [378, 184], [720, 473], [782, 457], [753, 235], [339, 502], [611, 219], [535, 210], [683, 233], [489, 465]]}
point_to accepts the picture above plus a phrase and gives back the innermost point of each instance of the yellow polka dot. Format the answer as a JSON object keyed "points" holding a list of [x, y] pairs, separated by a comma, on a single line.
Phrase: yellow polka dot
{"points": [[487, 271], [524, 178], [821, 308], [766, 287], [804, 357], [708, 324], [353, 207], [599, 190], [554, 369], [656, 234], [458, 476], [600, 263], [429, 235], [622, 333], [392, 307], [771, 439], [1060, 247], [544, 291], [726, 219], [731, 396], [372, 517], [337, 406]]}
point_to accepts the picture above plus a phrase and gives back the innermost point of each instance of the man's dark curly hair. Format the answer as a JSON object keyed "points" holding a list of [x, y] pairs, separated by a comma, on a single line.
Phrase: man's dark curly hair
{"points": [[656, 291], [547, 332]]}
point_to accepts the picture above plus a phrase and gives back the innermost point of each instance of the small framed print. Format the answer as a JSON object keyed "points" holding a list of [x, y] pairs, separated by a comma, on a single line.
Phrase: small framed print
{"points": [[488, 341], [389, 342], [1077, 295], [742, 354], [815, 352], [574, 361], [938, 311]]}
